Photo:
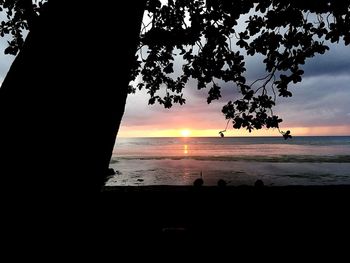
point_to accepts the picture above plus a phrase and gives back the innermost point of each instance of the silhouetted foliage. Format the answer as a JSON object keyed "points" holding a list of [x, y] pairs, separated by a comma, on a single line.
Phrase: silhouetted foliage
{"points": [[286, 135], [20, 16], [213, 47]]}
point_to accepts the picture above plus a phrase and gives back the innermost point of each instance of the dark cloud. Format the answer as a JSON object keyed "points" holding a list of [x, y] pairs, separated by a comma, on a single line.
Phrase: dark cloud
{"points": [[321, 99], [334, 62]]}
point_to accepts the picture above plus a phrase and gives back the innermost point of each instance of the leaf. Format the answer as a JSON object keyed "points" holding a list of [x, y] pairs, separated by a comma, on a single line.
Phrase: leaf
{"points": [[249, 95], [286, 135], [169, 68], [214, 93]]}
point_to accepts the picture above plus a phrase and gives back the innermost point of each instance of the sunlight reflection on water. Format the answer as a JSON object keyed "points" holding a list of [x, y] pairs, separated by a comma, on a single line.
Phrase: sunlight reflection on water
{"points": [[179, 161], [185, 149]]}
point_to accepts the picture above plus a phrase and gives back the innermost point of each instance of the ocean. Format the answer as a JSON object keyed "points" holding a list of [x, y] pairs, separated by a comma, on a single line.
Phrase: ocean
{"points": [[237, 160]]}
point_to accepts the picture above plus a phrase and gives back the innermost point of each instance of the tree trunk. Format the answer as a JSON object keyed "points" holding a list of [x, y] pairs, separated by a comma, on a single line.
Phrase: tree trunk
{"points": [[63, 99]]}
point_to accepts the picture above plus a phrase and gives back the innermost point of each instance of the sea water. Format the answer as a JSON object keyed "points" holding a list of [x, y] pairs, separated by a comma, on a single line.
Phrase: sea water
{"points": [[237, 160]]}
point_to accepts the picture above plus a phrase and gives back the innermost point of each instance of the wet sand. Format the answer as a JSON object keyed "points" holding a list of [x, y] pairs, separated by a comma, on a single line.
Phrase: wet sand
{"points": [[273, 171]]}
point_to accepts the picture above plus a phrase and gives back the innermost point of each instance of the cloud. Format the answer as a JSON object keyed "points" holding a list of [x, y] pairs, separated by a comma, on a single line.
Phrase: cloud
{"points": [[195, 113], [321, 99], [334, 62], [318, 100]]}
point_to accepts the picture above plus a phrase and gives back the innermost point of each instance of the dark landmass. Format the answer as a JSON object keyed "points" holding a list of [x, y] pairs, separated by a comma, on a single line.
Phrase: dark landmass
{"points": [[224, 211], [152, 221]]}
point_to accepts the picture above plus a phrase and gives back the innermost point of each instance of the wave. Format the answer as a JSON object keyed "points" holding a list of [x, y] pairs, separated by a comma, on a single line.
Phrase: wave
{"points": [[272, 159]]}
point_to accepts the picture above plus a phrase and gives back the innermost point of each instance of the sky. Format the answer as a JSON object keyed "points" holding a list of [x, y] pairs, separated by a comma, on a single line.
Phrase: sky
{"points": [[320, 104]]}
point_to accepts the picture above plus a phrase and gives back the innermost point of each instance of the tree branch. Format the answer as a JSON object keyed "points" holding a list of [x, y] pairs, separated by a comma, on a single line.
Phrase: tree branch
{"points": [[28, 12]]}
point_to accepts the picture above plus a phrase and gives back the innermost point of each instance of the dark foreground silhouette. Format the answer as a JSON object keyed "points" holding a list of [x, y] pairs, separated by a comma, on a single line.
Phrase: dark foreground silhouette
{"points": [[149, 221], [221, 210]]}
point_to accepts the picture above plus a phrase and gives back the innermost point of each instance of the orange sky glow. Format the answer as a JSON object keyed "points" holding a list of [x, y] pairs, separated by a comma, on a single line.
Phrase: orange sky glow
{"points": [[187, 131]]}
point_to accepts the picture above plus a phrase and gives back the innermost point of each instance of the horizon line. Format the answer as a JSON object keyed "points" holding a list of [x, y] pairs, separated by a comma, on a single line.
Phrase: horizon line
{"points": [[240, 136]]}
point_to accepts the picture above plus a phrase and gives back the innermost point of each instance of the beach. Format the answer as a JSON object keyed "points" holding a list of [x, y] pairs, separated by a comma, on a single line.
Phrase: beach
{"points": [[238, 161], [305, 188]]}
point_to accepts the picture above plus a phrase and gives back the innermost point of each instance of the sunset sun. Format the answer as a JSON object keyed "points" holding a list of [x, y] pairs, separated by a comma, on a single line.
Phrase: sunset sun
{"points": [[185, 133]]}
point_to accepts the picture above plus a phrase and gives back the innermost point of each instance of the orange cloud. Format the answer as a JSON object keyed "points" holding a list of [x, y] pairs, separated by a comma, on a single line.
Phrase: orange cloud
{"points": [[152, 131]]}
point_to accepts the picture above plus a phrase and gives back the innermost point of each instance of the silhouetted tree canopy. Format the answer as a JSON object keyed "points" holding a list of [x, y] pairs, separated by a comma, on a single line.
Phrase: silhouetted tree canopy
{"points": [[213, 47], [19, 16], [206, 37]]}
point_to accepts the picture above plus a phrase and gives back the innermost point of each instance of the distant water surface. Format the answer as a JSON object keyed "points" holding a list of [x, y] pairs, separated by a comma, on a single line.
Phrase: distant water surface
{"points": [[238, 160]]}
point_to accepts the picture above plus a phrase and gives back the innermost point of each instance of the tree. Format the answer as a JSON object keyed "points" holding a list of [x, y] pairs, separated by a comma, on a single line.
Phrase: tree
{"points": [[63, 98], [61, 102], [213, 48]]}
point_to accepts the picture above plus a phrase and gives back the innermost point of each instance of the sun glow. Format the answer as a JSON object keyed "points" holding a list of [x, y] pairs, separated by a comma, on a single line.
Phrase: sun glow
{"points": [[157, 131], [185, 149], [185, 133]]}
